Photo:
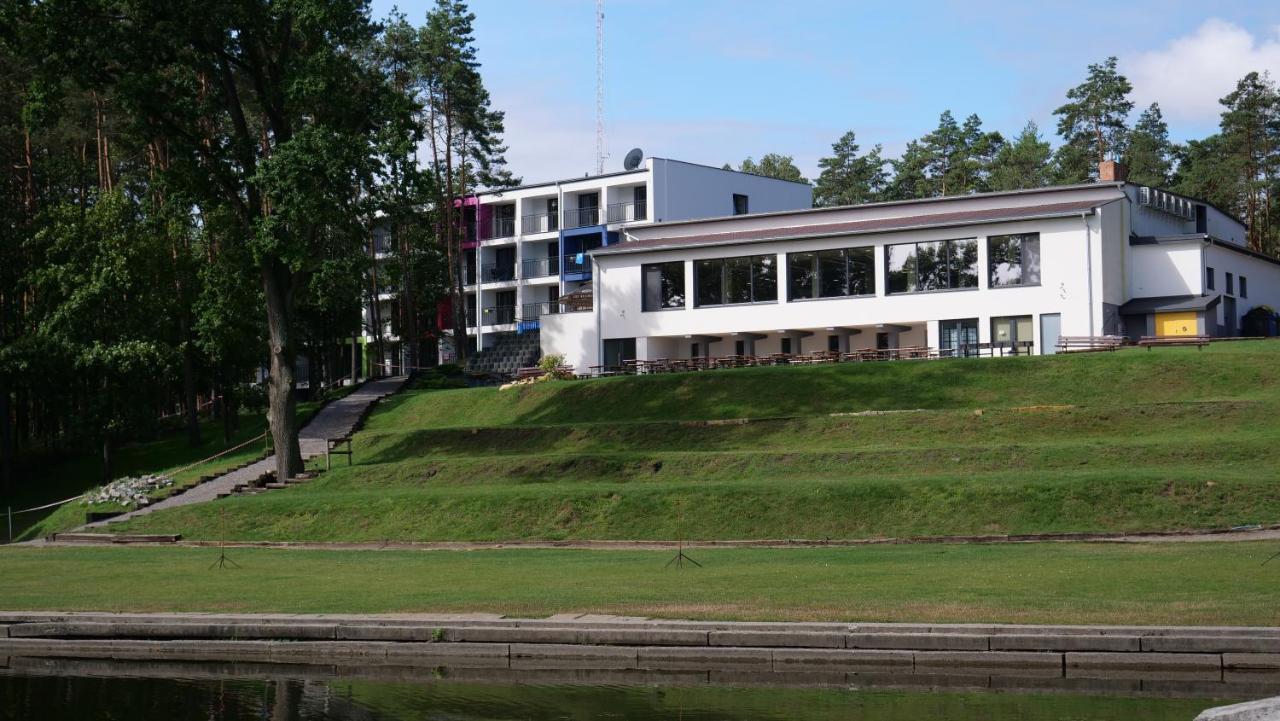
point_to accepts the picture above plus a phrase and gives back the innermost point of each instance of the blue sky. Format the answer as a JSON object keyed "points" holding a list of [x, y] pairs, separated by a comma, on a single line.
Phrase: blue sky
{"points": [[714, 81]]}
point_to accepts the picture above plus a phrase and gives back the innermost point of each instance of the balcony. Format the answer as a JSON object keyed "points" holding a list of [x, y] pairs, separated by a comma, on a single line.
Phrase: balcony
{"points": [[498, 272], [539, 223], [581, 217], [574, 269], [499, 315], [540, 267], [471, 317], [468, 275], [533, 311], [628, 212], [498, 228]]}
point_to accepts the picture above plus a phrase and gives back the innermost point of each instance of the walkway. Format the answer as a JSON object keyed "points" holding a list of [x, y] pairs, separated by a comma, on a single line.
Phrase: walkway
{"points": [[336, 419]]}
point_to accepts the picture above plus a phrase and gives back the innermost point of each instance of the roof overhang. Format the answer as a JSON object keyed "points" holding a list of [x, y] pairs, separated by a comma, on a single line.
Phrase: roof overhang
{"points": [[1169, 304]]}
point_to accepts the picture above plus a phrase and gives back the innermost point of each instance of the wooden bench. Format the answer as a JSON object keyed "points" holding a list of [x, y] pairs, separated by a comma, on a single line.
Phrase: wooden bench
{"points": [[526, 373], [1150, 341], [1088, 343]]}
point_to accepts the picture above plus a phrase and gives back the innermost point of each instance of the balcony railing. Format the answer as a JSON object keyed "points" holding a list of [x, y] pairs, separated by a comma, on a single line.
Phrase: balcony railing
{"points": [[498, 228], [468, 275], [471, 317], [539, 223], [540, 267], [499, 315], [498, 272], [570, 264], [627, 212], [581, 217], [533, 311]]}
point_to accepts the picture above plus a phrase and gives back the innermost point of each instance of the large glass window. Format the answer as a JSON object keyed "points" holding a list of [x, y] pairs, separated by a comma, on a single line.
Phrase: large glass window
{"points": [[938, 265], [1014, 259], [1012, 330], [961, 336], [747, 279], [832, 273], [662, 285]]}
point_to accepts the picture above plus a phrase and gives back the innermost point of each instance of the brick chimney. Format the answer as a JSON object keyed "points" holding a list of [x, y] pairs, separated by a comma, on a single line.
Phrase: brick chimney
{"points": [[1109, 171]]}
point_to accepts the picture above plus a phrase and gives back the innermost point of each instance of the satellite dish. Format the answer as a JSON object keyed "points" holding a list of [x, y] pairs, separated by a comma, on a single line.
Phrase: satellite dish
{"points": [[633, 159]]}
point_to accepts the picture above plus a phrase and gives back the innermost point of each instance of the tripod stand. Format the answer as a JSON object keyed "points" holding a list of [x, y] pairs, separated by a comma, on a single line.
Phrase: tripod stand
{"points": [[680, 557]]}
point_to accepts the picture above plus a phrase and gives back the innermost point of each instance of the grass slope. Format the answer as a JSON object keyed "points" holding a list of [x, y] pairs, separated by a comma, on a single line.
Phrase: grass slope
{"points": [[1176, 583], [1127, 441]]}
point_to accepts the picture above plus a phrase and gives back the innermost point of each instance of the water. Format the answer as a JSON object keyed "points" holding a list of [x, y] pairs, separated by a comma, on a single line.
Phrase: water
{"points": [[52, 690]]}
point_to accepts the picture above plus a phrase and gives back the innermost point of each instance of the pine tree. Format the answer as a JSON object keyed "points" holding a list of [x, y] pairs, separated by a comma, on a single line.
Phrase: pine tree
{"points": [[910, 174], [773, 165], [1093, 122], [1150, 154], [1251, 135], [848, 178], [1022, 163]]}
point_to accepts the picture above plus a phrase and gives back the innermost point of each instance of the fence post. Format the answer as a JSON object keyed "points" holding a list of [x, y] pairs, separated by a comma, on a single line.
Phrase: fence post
{"points": [[10, 510]]}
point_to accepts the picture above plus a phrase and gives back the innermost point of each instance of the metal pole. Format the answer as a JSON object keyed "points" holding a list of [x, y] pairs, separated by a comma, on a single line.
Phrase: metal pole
{"points": [[10, 509]]}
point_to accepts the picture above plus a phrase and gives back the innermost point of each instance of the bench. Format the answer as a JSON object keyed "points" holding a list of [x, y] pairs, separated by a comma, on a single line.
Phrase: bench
{"points": [[1088, 343], [1150, 341], [527, 373]]}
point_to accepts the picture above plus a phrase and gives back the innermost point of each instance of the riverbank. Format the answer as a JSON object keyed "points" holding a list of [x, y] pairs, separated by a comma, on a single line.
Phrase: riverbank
{"points": [[1218, 662]]}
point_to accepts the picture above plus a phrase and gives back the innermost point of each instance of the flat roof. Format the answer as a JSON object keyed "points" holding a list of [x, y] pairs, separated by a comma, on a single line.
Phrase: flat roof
{"points": [[1169, 303], [563, 181], [855, 227]]}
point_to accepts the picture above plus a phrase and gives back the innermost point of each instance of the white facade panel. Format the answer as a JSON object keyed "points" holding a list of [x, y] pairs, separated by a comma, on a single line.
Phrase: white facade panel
{"points": [[572, 335], [1166, 269]]}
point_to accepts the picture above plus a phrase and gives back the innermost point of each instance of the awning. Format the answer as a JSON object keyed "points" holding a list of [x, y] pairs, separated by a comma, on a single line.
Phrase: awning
{"points": [[579, 299], [1169, 304]]}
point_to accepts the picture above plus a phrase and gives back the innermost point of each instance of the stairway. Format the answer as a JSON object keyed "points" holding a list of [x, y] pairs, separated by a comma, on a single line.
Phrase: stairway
{"points": [[511, 352]]}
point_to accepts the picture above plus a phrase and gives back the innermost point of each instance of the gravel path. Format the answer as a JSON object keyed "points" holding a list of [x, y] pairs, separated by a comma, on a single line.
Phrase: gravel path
{"points": [[335, 420]]}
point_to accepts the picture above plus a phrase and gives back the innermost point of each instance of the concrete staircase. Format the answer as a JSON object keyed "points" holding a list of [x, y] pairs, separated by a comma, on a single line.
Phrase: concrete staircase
{"points": [[511, 352]]}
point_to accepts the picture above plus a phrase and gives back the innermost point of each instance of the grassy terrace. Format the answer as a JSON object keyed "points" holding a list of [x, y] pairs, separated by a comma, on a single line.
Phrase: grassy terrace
{"points": [[1176, 583], [1128, 441]]}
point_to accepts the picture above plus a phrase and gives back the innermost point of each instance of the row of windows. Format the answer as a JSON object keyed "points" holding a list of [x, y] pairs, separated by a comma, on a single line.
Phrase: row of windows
{"points": [[1231, 290], [1012, 260]]}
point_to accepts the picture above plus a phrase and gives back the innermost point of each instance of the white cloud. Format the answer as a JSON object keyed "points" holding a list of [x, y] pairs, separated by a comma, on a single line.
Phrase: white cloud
{"points": [[1190, 74]]}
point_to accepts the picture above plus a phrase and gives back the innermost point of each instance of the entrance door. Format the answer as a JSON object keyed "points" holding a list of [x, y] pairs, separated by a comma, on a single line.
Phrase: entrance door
{"points": [[1050, 331], [960, 335], [1230, 320], [1176, 323]]}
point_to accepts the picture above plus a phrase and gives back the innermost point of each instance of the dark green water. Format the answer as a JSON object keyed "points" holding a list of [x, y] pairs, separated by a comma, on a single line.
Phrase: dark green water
{"points": [[86, 698]]}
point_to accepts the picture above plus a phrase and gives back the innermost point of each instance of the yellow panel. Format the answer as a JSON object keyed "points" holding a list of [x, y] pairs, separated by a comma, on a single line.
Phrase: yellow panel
{"points": [[1176, 324]]}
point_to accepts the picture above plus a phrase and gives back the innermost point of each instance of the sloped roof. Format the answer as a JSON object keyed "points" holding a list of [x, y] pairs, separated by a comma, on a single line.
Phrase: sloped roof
{"points": [[1169, 303]]}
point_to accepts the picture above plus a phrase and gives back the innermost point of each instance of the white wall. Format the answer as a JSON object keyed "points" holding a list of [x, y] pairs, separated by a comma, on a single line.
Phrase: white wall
{"points": [[573, 335], [1166, 269], [1263, 275], [1064, 289]]}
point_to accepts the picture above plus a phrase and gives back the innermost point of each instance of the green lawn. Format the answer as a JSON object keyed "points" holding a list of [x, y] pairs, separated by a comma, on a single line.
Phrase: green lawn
{"points": [[1136, 440], [1176, 583], [77, 473]]}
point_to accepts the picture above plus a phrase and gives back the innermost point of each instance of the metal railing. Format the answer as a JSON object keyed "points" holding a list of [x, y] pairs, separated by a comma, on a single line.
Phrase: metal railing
{"points": [[499, 315], [499, 228], [468, 275], [571, 263], [540, 267], [471, 317], [533, 311], [539, 223], [581, 217], [498, 272], [627, 212]]}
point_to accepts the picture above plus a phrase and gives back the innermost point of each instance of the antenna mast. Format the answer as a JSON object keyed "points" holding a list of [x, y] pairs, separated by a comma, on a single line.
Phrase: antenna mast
{"points": [[599, 87]]}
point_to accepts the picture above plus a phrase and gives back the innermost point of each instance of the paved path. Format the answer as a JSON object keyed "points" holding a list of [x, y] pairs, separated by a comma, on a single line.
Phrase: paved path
{"points": [[336, 419]]}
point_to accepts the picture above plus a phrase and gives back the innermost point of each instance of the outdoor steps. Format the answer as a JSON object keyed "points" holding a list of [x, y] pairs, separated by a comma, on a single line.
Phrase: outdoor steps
{"points": [[511, 352]]}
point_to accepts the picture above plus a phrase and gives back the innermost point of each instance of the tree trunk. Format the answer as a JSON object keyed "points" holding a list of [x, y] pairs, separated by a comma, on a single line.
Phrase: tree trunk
{"points": [[108, 458], [6, 444], [282, 408], [189, 399]]}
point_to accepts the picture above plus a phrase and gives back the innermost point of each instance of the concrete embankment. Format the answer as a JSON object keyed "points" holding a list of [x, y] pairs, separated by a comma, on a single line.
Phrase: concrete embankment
{"points": [[1224, 662]]}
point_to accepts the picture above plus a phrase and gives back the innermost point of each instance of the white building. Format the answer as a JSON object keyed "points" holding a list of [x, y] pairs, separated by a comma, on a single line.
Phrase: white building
{"points": [[1106, 258], [528, 246]]}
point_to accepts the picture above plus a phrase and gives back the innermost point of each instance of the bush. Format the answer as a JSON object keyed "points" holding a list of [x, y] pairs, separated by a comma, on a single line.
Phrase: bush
{"points": [[1259, 321], [449, 369]]}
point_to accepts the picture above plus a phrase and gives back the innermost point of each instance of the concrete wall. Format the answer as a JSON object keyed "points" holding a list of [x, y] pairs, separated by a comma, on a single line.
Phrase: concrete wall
{"points": [[572, 335], [1166, 269], [1064, 289], [1263, 275]]}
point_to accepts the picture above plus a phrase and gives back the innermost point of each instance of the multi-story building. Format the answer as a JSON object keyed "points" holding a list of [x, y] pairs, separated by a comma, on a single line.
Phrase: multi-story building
{"points": [[528, 247], [1105, 258]]}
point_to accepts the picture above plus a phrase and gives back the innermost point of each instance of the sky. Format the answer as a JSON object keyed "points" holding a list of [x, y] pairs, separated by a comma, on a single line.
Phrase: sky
{"points": [[716, 81]]}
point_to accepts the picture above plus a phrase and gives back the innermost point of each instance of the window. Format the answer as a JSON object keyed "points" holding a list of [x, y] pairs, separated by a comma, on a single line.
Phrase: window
{"points": [[662, 286], [1208, 277], [1013, 260], [938, 265], [960, 335], [1012, 330], [726, 281], [1244, 287], [739, 204], [1231, 284], [617, 350], [832, 273]]}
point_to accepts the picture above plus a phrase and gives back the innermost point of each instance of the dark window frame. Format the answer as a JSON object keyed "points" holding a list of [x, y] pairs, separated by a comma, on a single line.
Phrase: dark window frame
{"points": [[663, 302], [767, 282], [949, 273], [816, 280], [1023, 239], [1231, 283], [1244, 287], [743, 200], [1208, 277]]}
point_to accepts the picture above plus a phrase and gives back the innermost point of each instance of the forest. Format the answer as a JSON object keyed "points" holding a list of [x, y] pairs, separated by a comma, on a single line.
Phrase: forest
{"points": [[191, 192]]}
